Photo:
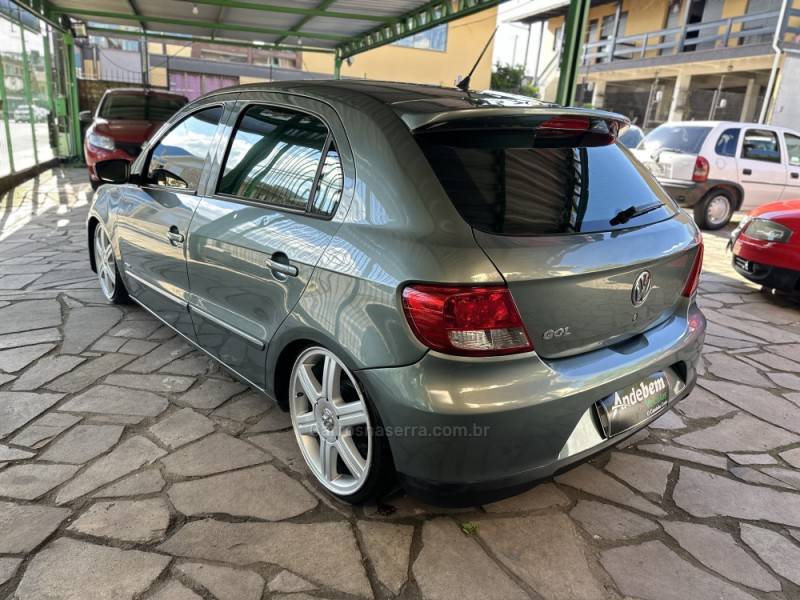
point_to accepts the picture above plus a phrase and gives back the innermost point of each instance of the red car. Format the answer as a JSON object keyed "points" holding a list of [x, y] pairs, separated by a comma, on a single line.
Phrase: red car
{"points": [[766, 246], [124, 119]]}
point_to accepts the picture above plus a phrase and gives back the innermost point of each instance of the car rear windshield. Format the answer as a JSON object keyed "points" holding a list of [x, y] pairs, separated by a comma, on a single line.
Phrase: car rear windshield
{"points": [[501, 183], [677, 138], [140, 107]]}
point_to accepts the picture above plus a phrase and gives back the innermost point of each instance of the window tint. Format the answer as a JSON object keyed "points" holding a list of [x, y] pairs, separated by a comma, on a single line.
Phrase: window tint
{"points": [[727, 142], [274, 157], [792, 148], [678, 138], [329, 188], [178, 159], [140, 107], [761, 144], [502, 184]]}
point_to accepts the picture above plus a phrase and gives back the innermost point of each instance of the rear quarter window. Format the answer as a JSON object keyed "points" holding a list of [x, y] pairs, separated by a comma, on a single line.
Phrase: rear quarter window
{"points": [[501, 184]]}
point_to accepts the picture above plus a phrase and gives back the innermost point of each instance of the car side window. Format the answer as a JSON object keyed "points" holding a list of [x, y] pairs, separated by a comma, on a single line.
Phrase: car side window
{"points": [[727, 142], [177, 160], [761, 144], [792, 148], [274, 157], [330, 184]]}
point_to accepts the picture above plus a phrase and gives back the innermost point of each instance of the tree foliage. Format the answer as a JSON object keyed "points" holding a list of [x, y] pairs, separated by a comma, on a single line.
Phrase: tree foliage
{"points": [[507, 78]]}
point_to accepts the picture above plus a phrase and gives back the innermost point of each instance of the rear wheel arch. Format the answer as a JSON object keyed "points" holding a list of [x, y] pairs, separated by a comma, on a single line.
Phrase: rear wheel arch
{"points": [[282, 371]]}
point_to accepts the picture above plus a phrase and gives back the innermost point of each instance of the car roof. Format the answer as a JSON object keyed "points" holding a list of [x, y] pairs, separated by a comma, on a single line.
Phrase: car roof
{"points": [[417, 104], [727, 124]]}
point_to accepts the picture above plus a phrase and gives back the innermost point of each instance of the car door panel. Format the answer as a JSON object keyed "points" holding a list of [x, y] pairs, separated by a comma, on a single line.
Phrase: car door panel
{"points": [[248, 260], [762, 171], [792, 147], [156, 219]]}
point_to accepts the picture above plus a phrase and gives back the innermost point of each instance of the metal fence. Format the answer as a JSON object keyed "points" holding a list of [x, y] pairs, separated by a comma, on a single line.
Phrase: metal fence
{"points": [[742, 30]]}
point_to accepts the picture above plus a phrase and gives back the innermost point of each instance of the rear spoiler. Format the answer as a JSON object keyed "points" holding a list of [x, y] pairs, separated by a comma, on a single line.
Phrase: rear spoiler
{"points": [[584, 126]]}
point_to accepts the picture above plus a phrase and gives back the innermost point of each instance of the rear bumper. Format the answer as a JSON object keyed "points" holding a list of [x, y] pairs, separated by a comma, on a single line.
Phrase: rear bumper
{"points": [[687, 193], [463, 432]]}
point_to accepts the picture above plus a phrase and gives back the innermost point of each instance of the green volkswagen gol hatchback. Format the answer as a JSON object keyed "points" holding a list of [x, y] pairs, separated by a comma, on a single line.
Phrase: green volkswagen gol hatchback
{"points": [[460, 291]]}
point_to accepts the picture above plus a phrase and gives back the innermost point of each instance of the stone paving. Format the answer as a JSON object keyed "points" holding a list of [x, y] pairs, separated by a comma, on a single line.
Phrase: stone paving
{"points": [[132, 467]]}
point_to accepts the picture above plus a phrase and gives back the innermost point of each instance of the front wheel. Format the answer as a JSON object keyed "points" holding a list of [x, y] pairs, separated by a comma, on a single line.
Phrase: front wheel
{"points": [[338, 432], [111, 283], [714, 211]]}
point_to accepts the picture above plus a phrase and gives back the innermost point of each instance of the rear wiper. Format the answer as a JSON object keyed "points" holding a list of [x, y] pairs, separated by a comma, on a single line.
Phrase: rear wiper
{"points": [[632, 212]]}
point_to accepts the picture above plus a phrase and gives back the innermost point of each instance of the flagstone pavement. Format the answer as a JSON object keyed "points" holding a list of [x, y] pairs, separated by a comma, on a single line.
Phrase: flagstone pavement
{"points": [[132, 467]]}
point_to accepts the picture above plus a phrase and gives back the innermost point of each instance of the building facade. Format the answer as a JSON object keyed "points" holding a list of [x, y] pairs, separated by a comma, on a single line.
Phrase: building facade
{"points": [[439, 56], [669, 60]]}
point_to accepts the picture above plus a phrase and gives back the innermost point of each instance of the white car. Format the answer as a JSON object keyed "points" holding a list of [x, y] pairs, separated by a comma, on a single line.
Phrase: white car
{"points": [[718, 167]]}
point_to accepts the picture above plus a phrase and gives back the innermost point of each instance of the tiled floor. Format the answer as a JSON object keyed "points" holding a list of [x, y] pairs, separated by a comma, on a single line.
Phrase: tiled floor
{"points": [[132, 467]]}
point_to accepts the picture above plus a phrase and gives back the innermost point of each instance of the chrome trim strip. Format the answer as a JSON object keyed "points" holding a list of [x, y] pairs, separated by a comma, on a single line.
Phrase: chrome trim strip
{"points": [[245, 336], [157, 289], [203, 350]]}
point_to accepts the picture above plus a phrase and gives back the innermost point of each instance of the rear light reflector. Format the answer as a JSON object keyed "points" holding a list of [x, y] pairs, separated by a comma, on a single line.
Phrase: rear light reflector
{"points": [[466, 321], [701, 168], [694, 275]]}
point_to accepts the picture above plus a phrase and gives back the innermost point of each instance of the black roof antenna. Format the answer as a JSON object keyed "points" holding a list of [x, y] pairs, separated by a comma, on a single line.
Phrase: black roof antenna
{"points": [[464, 83]]}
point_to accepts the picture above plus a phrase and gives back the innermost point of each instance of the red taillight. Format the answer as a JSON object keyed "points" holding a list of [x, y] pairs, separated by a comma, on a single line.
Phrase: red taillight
{"points": [[566, 123], [468, 321], [694, 275], [700, 173]]}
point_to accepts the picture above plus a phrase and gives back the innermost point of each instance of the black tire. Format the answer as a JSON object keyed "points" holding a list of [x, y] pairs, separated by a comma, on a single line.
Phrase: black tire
{"points": [[710, 213], [383, 478]]}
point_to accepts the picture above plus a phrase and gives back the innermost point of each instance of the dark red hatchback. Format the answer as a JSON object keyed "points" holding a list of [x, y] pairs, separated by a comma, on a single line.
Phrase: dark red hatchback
{"points": [[124, 119]]}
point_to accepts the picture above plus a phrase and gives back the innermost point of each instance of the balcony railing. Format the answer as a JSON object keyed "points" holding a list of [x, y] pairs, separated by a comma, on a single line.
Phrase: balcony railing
{"points": [[744, 30]]}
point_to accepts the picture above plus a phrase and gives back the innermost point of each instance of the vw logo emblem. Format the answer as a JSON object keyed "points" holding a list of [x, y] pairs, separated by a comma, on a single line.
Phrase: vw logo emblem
{"points": [[641, 288]]}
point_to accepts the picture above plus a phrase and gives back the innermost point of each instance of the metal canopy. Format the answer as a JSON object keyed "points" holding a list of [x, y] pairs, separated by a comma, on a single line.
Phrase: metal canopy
{"points": [[343, 27]]}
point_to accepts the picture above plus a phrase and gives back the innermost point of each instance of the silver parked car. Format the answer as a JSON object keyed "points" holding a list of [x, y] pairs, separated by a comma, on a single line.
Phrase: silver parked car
{"points": [[718, 167], [442, 289]]}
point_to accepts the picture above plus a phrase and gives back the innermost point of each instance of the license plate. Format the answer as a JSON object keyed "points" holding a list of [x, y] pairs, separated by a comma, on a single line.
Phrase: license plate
{"points": [[630, 406], [660, 170]]}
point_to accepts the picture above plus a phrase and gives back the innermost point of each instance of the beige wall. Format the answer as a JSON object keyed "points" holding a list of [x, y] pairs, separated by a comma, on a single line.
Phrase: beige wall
{"points": [[465, 40]]}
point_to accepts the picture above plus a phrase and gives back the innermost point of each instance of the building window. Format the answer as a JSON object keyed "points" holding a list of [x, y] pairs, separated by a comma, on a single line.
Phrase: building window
{"points": [[431, 39]]}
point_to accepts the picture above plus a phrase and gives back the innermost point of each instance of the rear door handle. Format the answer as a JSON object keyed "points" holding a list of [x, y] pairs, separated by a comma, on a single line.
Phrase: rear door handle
{"points": [[795, 175], [174, 236], [747, 171], [281, 269]]}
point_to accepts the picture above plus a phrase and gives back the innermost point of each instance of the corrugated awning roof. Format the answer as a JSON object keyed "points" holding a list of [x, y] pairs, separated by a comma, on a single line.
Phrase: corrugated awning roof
{"points": [[346, 26], [543, 10]]}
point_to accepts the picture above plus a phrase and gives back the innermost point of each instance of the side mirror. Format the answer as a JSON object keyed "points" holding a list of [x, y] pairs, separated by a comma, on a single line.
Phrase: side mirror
{"points": [[113, 171], [85, 116]]}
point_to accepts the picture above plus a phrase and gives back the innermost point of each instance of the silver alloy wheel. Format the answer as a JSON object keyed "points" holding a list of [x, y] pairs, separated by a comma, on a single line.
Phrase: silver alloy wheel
{"points": [[718, 210], [104, 262], [332, 428]]}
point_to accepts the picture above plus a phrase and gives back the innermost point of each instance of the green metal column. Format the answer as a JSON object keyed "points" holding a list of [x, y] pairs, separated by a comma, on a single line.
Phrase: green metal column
{"points": [[48, 72], [4, 99], [72, 95], [574, 30], [337, 66], [26, 87]]}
